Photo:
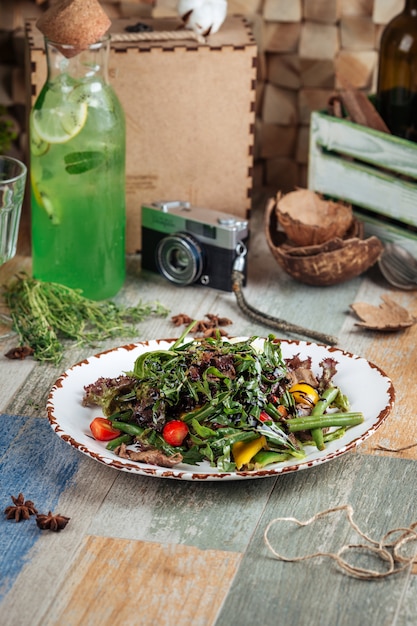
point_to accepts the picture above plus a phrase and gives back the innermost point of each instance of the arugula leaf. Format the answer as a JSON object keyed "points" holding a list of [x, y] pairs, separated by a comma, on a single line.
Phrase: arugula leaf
{"points": [[202, 431]]}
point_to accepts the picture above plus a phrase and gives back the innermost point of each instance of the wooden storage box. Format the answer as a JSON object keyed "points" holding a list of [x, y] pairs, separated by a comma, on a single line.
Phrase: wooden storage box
{"points": [[374, 171], [190, 113]]}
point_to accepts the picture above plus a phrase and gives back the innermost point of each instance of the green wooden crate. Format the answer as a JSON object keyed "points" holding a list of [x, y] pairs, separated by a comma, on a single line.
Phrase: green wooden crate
{"points": [[375, 172]]}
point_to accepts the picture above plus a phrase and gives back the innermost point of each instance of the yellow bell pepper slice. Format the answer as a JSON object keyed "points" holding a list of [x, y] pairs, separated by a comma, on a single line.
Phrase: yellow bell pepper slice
{"points": [[303, 393], [244, 451]]}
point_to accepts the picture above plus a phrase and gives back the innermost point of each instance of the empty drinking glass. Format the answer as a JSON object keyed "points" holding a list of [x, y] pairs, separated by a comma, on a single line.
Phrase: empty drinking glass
{"points": [[12, 190]]}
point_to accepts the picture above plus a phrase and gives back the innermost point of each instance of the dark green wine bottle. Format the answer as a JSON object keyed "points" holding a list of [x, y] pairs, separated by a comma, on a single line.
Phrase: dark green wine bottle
{"points": [[397, 75]]}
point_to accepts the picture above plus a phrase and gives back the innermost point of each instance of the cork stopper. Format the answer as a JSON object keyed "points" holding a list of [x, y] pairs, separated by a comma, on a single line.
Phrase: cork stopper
{"points": [[77, 23]]}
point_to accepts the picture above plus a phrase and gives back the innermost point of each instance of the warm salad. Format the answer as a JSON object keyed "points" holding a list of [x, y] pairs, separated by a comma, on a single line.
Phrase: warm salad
{"points": [[237, 404]]}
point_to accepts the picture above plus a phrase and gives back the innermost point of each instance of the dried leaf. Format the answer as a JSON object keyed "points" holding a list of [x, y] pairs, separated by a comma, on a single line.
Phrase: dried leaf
{"points": [[387, 316]]}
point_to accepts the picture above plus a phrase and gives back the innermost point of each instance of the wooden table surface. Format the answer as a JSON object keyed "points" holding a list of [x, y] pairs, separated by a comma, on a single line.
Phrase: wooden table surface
{"points": [[143, 550]]}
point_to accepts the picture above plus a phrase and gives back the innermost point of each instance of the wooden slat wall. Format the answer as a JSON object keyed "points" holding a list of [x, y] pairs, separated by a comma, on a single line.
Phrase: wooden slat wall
{"points": [[303, 49], [303, 45]]}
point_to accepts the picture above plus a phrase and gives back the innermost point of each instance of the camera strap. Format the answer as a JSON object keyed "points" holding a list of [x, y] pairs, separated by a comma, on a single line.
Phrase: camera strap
{"points": [[264, 318]]}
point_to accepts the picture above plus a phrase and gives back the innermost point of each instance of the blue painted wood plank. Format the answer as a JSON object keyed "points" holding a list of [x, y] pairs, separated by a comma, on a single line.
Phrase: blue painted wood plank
{"points": [[37, 463], [10, 426]]}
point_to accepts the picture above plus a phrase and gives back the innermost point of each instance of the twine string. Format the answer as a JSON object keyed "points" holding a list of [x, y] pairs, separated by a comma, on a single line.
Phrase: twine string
{"points": [[162, 35], [386, 549], [363, 572], [401, 449]]}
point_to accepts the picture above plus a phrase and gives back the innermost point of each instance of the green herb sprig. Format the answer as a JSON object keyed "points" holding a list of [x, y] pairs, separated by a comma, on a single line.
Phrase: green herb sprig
{"points": [[45, 313]]}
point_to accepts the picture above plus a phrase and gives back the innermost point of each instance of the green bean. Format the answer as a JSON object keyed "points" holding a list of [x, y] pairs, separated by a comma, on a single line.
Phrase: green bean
{"points": [[317, 434], [239, 435], [131, 429], [297, 424], [273, 412], [329, 436], [325, 401], [207, 410], [201, 413], [121, 416], [115, 443]]}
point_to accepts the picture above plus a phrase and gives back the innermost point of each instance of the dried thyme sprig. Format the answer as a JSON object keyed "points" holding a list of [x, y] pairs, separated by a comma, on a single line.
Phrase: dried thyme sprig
{"points": [[43, 313]]}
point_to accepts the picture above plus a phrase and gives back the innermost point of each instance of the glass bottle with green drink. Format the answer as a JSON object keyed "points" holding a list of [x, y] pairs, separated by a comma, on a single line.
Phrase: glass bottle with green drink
{"points": [[77, 146]]}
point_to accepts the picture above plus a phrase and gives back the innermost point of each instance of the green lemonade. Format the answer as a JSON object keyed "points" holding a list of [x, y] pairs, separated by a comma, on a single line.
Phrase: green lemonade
{"points": [[77, 142]]}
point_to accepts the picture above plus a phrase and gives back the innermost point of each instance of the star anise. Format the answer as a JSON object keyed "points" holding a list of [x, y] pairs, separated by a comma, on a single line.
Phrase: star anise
{"points": [[200, 326], [51, 521], [21, 508], [181, 319], [214, 332], [218, 321], [20, 352]]}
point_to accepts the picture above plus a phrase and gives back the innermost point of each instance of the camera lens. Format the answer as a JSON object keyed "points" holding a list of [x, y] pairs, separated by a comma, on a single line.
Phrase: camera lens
{"points": [[179, 258]]}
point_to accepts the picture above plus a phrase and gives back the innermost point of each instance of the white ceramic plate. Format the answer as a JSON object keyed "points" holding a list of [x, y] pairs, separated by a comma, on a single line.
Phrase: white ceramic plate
{"points": [[367, 387]]}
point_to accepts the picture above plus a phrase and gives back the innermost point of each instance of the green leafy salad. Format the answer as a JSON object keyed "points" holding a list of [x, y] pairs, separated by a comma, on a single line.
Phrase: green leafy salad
{"points": [[237, 404]]}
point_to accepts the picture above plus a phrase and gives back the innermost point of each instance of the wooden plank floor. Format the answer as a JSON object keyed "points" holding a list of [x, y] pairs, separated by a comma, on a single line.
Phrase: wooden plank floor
{"points": [[140, 550], [147, 550], [316, 591]]}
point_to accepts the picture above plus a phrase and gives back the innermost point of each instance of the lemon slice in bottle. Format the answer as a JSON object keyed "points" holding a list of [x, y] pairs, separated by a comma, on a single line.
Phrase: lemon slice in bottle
{"points": [[90, 93], [44, 201], [37, 145], [60, 124]]}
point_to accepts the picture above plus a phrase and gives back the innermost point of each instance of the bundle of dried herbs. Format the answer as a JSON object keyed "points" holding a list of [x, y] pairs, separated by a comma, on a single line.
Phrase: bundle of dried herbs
{"points": [[45, 313]]}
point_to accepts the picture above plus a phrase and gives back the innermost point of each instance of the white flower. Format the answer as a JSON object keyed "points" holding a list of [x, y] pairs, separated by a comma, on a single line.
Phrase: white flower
{"points": [[204, 17]]}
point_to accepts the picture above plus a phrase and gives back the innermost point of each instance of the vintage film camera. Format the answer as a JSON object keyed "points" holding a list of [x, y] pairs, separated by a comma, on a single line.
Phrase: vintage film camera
{"points": [[189, 245]]}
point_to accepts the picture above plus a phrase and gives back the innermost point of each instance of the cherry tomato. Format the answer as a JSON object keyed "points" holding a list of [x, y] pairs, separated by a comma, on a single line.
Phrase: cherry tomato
{"points": [[175, 432], [103, 430], [264, 417]]}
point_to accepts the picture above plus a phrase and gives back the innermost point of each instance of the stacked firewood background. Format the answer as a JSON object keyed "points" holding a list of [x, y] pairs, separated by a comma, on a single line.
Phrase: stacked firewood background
{"points": [[305, 48]]}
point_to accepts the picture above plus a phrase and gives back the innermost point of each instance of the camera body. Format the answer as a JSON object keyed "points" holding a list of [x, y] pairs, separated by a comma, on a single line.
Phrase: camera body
{"points": [[190, 245]]}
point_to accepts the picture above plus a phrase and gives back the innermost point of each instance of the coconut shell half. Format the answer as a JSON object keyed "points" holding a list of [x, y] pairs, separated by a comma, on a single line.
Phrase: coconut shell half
{"points": [[308, 219], [331, 263]]}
